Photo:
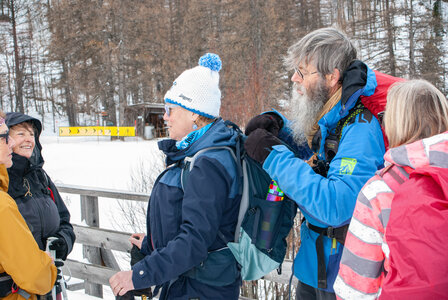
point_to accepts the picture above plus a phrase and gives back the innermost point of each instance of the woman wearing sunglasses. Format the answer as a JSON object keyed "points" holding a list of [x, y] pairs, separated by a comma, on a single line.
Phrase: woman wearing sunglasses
{"points": [[24, 269], [191, 219], [36, 196]]}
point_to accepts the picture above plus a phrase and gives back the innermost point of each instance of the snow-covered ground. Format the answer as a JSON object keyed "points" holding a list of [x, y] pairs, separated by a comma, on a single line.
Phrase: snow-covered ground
{"points": [[99, 163], [95, 162], [79, 295]]}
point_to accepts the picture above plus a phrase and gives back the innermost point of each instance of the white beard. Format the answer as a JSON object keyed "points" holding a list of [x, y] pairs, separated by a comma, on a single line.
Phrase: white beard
{"points": [[305, 109]]}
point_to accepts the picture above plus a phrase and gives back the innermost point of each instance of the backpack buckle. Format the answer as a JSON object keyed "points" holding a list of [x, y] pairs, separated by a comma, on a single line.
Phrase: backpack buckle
{"points": [[330, 232]]}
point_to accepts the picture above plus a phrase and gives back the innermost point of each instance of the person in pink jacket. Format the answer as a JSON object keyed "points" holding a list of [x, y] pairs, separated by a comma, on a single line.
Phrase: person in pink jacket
{"points": [[416, 123]]}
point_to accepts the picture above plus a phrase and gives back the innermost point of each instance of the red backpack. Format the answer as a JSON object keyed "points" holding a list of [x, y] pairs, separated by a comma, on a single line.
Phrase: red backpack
{"points": [[376, 103], [417, 236]]}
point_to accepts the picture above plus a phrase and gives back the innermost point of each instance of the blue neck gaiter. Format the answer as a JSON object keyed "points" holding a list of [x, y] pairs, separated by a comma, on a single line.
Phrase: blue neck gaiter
{"points": [[192, 137]]}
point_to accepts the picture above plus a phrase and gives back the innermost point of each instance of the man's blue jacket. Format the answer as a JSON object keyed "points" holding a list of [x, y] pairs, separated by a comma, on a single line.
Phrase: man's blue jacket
{"points": [[183, 223], [330, 201]]}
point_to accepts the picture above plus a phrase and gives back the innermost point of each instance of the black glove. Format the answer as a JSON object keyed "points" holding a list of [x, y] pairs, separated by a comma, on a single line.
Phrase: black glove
{"points": [[259, 144], [59, 264], [136, 255], [269, 121], [60, 245], [135, 293]]}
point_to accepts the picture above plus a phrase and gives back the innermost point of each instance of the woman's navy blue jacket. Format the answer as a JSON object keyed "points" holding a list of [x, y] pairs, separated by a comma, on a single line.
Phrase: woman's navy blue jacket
{"points": [[183, 224], [29, 185]]}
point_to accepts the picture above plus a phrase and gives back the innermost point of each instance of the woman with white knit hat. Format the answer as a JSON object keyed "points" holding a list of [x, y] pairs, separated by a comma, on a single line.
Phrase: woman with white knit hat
{"points": [[191, 218]]}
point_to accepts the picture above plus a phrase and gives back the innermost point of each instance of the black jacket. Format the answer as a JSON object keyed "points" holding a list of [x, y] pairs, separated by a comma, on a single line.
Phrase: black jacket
{"points": [[36, 196]]}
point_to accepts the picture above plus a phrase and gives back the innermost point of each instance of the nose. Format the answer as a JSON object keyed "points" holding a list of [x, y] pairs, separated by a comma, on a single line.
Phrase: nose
{"points": [[296, 78], [165, 116], [29, 137]]}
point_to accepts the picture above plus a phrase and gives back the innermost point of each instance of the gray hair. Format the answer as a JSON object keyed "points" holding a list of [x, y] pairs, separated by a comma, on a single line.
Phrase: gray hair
{"points": [[327, 48]]}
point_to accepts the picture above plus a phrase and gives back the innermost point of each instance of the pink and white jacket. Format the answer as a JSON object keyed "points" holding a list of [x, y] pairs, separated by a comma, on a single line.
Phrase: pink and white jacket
{"points": [[365, 260]]}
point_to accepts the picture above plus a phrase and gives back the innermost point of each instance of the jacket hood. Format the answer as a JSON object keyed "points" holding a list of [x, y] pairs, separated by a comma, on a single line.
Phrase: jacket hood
{"points": [[15, 118], [432, 151], [358, 80], [4, 179], [218, 135]]}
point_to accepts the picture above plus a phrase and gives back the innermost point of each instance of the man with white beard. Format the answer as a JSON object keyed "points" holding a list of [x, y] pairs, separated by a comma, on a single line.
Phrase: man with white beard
{"points": [[346, 144]]}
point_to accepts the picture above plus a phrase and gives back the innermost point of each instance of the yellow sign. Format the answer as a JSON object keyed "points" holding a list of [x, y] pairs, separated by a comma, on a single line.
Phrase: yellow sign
{"points": [[96, 131]]}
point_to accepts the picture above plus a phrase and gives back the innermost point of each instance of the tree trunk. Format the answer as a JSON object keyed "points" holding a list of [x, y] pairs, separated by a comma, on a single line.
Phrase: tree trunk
{"points": [[19, 75], [411, 40], [69, 105], [390, 38]]}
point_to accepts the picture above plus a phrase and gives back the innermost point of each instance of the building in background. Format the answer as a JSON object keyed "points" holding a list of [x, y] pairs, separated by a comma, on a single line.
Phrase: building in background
{"points": [[147, 118]]}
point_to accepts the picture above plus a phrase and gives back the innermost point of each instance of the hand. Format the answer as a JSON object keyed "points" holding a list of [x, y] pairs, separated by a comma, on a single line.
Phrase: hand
{"points": [[259, 144], [59, 264], [137, 239], [121, 283], [49, 255], [60, 245], [269, 121]]}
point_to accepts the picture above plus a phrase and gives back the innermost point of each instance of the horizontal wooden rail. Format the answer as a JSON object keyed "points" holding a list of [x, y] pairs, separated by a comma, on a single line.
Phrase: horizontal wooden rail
{"points": [[98, 192], [102, 238], [91, 273]]}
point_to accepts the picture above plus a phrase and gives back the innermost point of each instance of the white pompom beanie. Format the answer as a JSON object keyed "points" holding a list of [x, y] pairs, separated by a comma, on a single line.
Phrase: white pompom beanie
{"points": [[197, 89]]}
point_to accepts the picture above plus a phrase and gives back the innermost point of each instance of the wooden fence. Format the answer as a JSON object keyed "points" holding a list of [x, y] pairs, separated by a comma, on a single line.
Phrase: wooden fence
{"points": [[98, 243]]}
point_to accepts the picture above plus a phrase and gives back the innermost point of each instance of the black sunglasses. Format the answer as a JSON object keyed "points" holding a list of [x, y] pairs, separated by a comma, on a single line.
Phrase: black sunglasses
{"points": [[5, 136]]}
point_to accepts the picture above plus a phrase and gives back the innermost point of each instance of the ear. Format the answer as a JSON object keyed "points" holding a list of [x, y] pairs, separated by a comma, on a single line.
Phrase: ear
{"points": [[333, 78]]}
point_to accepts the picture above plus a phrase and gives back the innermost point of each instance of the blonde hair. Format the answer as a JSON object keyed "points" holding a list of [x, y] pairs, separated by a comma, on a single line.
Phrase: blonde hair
{"points": [[415, 110], [202, 121]]}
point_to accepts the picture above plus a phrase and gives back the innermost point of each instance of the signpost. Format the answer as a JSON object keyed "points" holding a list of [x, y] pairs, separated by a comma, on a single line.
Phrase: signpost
{"points": [[97, 131]]}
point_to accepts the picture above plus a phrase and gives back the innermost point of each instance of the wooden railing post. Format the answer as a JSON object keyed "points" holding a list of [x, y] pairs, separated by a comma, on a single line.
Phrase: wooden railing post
{"points": [[90, 215]]}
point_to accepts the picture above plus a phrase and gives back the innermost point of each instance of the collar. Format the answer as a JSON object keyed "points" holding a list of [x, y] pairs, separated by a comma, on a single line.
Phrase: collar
{"points": [[192, 137], [327, 107]]}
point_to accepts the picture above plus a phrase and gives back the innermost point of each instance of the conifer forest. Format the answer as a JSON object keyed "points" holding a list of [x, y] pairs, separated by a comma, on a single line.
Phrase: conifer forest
{"points": [[76, 59]]}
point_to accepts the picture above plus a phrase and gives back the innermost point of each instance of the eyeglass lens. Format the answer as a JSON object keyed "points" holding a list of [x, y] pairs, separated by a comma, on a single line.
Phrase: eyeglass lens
{"points": [[298, 72], [168, 109], [5, 136]]}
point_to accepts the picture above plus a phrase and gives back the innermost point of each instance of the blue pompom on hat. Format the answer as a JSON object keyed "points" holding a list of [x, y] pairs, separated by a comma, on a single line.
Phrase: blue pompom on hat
{"points": [[197, 89], [211, 61]]}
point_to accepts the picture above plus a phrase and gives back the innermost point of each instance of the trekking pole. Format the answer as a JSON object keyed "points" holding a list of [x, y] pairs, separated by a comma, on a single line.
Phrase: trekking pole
{"points": [[62, 284], [53, 256], [61, 281]]}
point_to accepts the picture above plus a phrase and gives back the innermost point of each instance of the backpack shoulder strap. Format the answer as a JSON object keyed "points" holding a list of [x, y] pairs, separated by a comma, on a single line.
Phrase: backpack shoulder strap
{"points": [[356, 110], [193, 158], [189, 162], [244, 204], [333, 139], [242, 172]]}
